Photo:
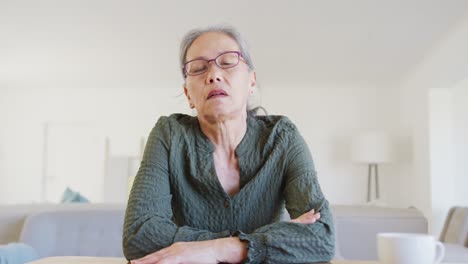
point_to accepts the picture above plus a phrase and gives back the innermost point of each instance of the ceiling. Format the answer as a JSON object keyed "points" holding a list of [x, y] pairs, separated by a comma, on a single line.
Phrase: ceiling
{"points": [[107, 43]]}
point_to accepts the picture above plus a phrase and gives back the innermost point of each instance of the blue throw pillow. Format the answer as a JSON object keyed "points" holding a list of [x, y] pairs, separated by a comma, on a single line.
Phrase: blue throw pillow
{"points": [[17, 253], [70, 196]]}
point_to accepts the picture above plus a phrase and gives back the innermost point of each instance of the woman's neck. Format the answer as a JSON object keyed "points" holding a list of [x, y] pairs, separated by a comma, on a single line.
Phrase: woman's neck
{"points": [[225, 134]]}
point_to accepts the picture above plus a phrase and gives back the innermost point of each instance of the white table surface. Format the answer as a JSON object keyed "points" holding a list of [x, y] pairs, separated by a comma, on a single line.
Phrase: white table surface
{"points": [[99, 260], [79, 260]]}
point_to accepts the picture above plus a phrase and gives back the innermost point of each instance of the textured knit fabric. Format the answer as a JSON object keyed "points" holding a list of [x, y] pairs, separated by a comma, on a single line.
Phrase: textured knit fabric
{"points": [[177, 196]]}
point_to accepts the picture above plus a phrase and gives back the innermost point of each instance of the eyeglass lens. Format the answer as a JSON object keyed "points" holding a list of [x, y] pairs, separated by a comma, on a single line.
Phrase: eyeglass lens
{"points": [[224, 61]]}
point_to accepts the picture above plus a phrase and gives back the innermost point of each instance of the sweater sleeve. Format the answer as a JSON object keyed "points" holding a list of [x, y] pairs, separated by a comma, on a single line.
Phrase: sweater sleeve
{"points": [[148, 225], [286, 242]]}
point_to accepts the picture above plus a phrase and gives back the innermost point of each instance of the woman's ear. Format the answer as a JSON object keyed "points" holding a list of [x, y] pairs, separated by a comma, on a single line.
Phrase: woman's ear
{"points": [[253, 82], [188, 97]]}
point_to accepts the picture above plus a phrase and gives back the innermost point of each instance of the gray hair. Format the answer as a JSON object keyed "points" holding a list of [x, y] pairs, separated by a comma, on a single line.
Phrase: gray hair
{"points": [[230, 31]]}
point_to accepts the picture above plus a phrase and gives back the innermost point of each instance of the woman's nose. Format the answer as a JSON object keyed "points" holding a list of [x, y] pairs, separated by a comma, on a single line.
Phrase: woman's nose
{"points": [[212, 80], [213, 74]]}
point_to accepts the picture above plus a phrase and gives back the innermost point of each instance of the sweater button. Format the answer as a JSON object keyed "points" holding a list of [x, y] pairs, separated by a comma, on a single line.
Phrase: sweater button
{"points": [[226, 203]]}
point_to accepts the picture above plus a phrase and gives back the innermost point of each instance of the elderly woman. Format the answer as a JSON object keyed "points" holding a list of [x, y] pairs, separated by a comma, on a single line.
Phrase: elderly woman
{"points": [[212, 188]]}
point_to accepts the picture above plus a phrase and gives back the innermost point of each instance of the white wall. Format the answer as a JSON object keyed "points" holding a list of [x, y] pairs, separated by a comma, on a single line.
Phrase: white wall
{"points": [[328, 117], [124, 114], [412, 115], [3, 176], [448, 119], [460, 122], [442, 156], [444, 67], [397, 177]]}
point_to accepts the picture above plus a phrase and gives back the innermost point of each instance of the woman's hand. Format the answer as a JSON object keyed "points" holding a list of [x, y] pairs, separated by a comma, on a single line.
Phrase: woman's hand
{"points": [[182, 252], [307, 218], [230, 250]]}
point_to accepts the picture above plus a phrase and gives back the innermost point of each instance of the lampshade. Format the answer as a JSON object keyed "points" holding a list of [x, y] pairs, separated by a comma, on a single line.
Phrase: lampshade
{"points": [[371, 148]]}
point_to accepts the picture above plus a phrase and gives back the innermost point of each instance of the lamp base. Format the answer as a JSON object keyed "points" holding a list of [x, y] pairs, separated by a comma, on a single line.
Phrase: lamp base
{"points": [[375, 168]]}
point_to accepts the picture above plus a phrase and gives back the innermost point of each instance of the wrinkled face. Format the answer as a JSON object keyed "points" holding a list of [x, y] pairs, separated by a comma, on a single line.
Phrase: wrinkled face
{"points": [[218, 94]]}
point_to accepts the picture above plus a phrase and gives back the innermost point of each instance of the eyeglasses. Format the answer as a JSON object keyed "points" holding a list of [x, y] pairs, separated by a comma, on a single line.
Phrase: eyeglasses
{"points": [[225, 60]]}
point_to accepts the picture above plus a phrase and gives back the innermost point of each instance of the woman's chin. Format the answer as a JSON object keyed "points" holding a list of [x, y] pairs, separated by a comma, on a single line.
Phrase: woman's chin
{"points": [[221, 114]]}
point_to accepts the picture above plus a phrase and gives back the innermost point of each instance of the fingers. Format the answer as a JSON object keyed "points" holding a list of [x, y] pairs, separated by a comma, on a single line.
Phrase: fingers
{"points": [[307, 218], [149, 259], [144, 260], [314, 213], [311, 214], [317, 216], [311, 217]]}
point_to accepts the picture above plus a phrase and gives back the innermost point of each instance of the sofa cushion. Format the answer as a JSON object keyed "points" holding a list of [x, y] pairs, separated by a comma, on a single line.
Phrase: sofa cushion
{"points": [[75, 232], [12, 219], [455, 253]]}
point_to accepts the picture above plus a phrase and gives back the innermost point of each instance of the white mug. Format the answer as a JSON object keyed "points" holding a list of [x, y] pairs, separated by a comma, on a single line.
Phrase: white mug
{"points": [[408, 248]]}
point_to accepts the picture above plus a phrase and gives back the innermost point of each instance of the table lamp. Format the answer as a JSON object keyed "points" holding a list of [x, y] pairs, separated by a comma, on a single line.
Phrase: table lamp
{"points": [[371, 148]]}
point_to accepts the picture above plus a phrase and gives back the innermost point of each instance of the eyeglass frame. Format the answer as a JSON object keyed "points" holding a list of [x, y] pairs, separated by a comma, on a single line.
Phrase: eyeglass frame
{"points": [[239, 55]]}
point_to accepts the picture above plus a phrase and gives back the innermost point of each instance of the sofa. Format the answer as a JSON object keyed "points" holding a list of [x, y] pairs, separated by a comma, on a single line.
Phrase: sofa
{"points": [[96, 229]]}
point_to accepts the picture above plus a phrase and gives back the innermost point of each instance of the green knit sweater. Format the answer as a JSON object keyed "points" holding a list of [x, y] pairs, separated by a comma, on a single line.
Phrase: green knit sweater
{"points": [[177, 196]]}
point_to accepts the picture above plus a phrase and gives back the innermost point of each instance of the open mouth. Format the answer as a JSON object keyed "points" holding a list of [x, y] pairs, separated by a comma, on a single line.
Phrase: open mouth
{"points": [[216, 93]]}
